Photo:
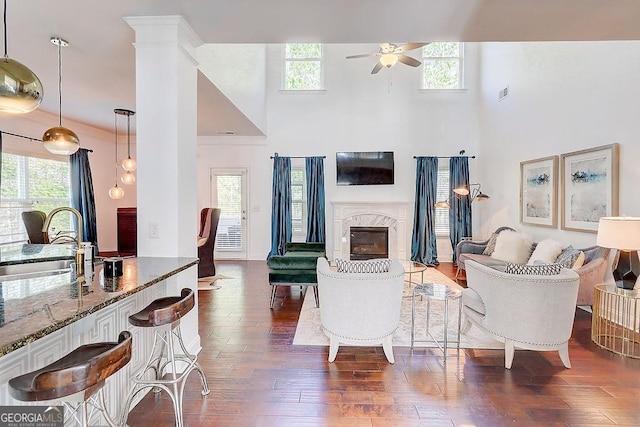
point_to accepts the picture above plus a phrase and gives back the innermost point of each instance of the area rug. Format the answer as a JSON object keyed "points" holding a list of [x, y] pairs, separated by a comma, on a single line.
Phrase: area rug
{"points": [[309, 329], [212, 283]]}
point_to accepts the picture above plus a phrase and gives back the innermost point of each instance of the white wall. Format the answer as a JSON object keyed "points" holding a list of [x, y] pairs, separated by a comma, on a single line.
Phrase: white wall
{"points": [[357, 112], [564, 97], [102, 160]]}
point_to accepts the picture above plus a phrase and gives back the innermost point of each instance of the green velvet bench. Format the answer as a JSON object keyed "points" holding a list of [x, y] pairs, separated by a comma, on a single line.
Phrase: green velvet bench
{"points": [[297, 267]]}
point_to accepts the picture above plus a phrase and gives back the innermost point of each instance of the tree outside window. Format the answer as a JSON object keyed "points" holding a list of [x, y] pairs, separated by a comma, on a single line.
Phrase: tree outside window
{"points": [[303, 66], [442, 65]]}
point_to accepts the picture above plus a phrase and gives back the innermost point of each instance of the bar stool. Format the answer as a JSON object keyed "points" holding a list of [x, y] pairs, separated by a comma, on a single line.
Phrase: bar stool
{"points": [[77, 377], [163, 360]]}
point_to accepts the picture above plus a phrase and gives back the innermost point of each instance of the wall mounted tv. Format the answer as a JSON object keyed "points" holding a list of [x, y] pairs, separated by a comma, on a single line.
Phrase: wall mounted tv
{"points": [[365, 168]]}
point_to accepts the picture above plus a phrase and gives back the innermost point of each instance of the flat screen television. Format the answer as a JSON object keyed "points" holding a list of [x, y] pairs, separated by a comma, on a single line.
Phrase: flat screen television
{"points": [[364, 168]]}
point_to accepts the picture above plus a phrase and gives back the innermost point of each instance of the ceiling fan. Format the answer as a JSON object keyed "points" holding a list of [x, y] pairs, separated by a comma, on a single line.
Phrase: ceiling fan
{"points": [[390, 54]]}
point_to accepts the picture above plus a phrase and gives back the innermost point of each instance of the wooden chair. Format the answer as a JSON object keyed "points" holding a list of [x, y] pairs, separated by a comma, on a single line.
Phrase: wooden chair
{"points": [[77, 377], [33, 223], [209, 218]]}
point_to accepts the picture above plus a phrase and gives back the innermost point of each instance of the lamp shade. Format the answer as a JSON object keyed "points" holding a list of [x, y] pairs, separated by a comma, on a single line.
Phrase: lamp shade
{"points": [[389, 59], [129, 164], [116, 192], [60, 140], [619, 233], [20, 89], [462, 190], [128, 178]]}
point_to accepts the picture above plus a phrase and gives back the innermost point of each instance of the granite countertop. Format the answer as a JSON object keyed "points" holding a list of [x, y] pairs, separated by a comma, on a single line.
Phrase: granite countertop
{"points": [[35, 307], [28, 253]]}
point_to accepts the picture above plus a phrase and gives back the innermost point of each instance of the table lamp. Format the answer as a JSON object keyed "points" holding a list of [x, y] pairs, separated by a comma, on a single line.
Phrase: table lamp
{"points": [[623, 234]]}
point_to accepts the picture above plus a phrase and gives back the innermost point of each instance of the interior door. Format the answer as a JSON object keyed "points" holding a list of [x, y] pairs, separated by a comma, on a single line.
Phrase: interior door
{"points": [[228, 192]]}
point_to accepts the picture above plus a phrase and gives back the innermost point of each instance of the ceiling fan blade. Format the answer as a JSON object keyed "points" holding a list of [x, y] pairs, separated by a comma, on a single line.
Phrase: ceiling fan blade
{"points": [[376, 68], [364, 55], [409, 46], [408, 60]]}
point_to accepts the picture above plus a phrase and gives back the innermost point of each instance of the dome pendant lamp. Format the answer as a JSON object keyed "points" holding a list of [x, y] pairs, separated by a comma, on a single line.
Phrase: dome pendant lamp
{"points": [[116, 192], [20, 89], [60, 140]]}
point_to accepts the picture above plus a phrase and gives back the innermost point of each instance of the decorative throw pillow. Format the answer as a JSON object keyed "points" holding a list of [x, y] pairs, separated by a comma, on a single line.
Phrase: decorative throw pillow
{"points": [[512, 247], [366, 266], [538, 269], [491, 244], [571, 258], [546, 251]]}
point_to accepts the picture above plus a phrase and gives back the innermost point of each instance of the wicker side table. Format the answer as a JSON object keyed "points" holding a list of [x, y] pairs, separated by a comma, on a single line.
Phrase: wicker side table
{"points": [[616, 320]]}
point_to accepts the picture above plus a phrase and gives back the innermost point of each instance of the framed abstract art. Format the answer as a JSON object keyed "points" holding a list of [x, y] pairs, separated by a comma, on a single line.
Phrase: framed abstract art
{"points": [[589, 187], [539, 192]]}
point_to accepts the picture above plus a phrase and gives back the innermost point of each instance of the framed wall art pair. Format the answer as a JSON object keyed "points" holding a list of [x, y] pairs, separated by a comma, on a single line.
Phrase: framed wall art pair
{"points": [[588, 182]]}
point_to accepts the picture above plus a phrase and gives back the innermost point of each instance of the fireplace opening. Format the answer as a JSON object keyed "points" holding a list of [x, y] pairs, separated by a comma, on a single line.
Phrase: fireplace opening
{"points": [[368, 242]]}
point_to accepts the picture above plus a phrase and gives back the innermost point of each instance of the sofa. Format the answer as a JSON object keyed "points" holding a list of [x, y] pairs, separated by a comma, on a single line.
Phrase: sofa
{"points": [[530, 311], [296, 267], [591, 273], [360, 303]]}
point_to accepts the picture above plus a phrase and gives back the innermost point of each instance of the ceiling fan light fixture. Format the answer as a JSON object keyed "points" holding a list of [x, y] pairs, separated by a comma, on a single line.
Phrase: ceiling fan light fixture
{"points": [[389, 59]]}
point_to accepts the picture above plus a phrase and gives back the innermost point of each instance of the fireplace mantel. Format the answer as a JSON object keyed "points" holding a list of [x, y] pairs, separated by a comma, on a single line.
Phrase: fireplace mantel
{"points": [[391, 214]]}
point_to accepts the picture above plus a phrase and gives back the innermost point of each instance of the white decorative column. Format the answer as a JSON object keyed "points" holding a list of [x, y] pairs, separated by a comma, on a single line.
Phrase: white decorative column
{"points": [[166, 138]]}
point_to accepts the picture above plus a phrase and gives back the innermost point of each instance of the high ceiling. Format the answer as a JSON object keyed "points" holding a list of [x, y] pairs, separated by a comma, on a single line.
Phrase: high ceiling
{"points": [[99, 65]]}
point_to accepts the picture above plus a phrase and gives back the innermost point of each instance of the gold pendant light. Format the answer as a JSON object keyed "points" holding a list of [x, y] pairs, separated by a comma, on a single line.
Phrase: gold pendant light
{"points": [[60, 140], [116, 192], [20, 89]]}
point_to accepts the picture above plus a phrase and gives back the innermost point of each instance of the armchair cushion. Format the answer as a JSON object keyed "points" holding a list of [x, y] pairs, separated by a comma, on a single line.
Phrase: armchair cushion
{"points": [[365, 266], [537, 269]]}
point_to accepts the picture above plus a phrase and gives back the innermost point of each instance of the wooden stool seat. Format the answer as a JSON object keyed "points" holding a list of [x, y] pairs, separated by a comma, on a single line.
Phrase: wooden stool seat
{"points": [[164, 311], [84, 369]]}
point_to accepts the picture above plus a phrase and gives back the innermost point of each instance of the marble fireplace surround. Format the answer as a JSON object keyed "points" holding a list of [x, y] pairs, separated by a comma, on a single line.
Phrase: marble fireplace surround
{"points": [[392, 215]]}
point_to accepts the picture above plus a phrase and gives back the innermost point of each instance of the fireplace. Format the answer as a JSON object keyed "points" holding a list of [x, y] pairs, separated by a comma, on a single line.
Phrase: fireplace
{"points": [[368, 242], [391, 215]]}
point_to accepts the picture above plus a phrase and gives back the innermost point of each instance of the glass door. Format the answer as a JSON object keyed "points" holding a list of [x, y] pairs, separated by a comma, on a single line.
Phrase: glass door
{"points": [[228, 192]]}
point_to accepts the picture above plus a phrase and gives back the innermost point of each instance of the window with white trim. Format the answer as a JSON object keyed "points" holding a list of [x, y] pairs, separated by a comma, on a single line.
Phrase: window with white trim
{"points": [[298, 205], [303, 67], [32, 183], [442, 214], [442, 65]]}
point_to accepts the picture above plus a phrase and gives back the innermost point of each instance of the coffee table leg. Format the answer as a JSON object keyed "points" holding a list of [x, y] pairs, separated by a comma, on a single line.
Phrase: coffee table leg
{"points": [[459, 321]]}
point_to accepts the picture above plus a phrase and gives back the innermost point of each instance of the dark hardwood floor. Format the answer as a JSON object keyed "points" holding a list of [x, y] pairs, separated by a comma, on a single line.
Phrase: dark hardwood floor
{"points": [[257, 378]]}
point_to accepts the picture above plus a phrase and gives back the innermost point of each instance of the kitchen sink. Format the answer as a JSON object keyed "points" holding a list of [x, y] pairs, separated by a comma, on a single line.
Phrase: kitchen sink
{"points": [[34, 269]]}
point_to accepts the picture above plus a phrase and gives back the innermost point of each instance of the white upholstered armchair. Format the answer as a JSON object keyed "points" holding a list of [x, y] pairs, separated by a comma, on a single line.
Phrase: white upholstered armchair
{"points": [[532, 312], [360, 308]]}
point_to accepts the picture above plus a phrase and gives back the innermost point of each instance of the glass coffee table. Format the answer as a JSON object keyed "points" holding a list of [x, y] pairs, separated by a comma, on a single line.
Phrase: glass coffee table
{"points": [[437, 292], [413, 267]]}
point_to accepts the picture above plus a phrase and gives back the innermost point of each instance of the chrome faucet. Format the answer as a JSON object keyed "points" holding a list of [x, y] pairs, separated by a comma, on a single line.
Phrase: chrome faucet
{"points": [[47, 222]]}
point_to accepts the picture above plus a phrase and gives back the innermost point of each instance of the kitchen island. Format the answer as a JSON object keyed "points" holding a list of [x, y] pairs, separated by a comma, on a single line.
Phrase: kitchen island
{"points": [[45, 317]]}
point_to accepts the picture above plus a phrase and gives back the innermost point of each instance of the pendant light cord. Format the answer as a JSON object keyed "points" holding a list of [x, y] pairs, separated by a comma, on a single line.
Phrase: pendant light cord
{"points": [[115, 126], [128, 136], [59, 84], [6, 55]]}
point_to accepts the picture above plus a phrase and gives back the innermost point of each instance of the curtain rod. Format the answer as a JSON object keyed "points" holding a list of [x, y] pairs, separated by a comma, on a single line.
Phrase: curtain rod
{"points": [[295, 157], [446, 157], [30, 138]]}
